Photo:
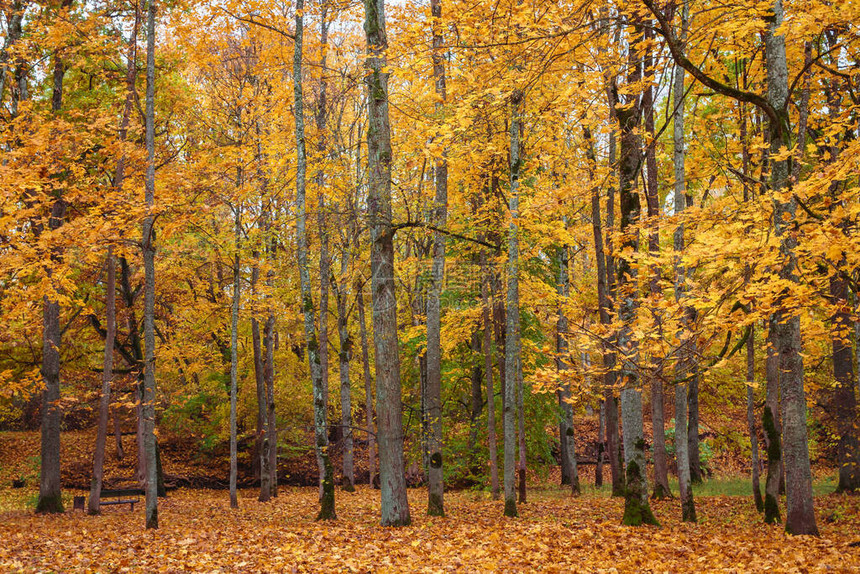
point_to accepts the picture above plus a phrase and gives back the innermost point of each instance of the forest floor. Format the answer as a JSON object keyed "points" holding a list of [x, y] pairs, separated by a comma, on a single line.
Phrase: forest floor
{"points": [[554, 533]]}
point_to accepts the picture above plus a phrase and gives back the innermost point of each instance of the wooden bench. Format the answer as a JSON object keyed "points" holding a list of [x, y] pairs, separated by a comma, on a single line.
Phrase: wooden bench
{"points": [[123, 496]]}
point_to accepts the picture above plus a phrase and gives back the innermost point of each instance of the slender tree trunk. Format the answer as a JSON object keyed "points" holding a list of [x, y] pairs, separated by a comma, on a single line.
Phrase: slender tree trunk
{"points": [[488, 374], [107, 376], [751, 426], [368, 383], [435, 486], [661, 469], [521, 429], [565, 397], [345, 386], [476, 398], [117, 432], [693, 425], [260, 385], [234, 358], [605, 295], [512, 311], [327, 508], [756, 471], [395, 506], [601, 444], [685, 361], [110, 296], [50, 495], [148, 241]]}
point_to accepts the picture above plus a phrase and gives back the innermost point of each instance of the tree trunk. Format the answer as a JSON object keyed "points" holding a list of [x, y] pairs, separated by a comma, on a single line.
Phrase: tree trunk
{"points": [[476, 398], [107, 376], [148, 242], [435, 504], [234, 358], [605, 296], [368, 384], [110, 297], [772, 433], [693, 424], [395, 506], [315, 354], [661, 469], [260, 385], [800, 515], [601, 444], [488, 374], [512, 312], [637, 511], [50, 495], [344, 357], [756, 471], [565, 397], [686, 359], [521, 429]]}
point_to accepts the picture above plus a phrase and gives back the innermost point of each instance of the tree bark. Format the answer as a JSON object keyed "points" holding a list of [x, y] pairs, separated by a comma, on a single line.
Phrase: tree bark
{"points": [[686, 359], [107, 376], [800, 515], [348, 466], [435, 486], [148, 242], [395, 506], [565, 397], [756, 471], [368, 386], [315, 354], [512, 311], [234, 357], [772, 432], [637, 510], [488, 375]]}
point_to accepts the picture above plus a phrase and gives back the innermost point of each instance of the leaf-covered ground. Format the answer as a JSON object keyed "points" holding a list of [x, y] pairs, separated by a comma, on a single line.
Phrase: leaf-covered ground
{"points": [[554, 533]]}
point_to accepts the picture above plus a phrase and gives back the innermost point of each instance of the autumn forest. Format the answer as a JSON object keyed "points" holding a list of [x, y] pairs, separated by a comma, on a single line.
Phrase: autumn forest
{"points": [[434, 285]]}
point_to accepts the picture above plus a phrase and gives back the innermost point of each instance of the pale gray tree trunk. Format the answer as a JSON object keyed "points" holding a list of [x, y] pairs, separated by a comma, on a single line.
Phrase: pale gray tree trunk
{"points": [[661, 469], [148, 242], [800, 515], [327, 508], [685, 359], [234, 356], [395, 506], [435, 485], [637, 511], [512, 311], [348, 463], [488, 374]]}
